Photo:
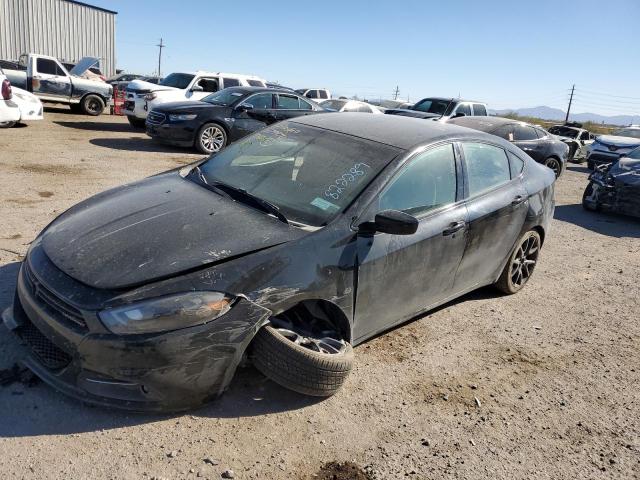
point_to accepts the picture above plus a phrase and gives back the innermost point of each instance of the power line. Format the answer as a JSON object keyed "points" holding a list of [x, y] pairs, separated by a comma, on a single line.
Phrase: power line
{"points": [[611, 95]]}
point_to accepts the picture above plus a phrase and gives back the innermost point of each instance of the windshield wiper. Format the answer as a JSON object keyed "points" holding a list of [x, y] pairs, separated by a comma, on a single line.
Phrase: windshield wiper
{"points": [[265, 205]]}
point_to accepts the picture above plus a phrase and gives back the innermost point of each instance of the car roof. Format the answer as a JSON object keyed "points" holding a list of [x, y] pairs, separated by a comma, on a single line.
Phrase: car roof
{"points": [[224, 74], [259, 89], [395, 130], [451, 99]]}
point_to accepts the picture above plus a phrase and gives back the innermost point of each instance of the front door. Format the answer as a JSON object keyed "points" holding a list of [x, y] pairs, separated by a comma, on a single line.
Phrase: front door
{"points": [[49, 81], [497, 207], [399, 276], [260, 113]]}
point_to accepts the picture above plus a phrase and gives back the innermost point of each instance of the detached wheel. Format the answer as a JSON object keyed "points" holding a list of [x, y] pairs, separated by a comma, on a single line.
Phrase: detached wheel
{"points": [[211, 138], [136, 122], [312, 365], [92, 105], [590, 198], [554, 164], [521, 264]]}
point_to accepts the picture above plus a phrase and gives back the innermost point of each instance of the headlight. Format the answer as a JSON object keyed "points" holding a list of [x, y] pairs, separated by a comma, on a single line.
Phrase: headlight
{"points": [[182, 117], [150, 96], [163, 314]]}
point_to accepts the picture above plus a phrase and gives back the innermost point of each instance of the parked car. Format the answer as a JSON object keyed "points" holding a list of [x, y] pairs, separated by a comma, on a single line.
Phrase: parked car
{"points": [[278, 86], [315, 94], [224, 117], [148, 296], [577, 138], [385, 105], [142, 97], [536, 142], [123, 77], [51, 82], [442, 109], [348, 106], [93, 73], [615, 187], [9, 111], [606, 149]]}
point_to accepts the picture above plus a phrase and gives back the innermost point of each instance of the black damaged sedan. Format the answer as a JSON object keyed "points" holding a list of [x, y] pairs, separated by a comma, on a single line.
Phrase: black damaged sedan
{"points": [[223, 117], [288, 247]]}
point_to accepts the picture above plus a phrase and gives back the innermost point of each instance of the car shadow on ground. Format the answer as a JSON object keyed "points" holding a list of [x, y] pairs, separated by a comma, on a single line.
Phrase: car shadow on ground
{"points": [[577, 168], [139, 144], [99, 126], [609, 224]]}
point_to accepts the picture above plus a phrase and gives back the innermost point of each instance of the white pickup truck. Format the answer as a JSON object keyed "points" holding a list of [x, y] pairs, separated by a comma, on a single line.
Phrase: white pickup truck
{"points": [[142, 97], [47, 78]]}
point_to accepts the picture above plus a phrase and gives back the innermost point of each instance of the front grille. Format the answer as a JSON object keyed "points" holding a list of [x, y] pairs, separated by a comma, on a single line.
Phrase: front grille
{"points": [[46, 351], [156, 118], [55, 306]]}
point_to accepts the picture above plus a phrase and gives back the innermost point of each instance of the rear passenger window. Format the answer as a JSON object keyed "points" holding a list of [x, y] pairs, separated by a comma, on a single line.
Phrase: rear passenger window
{"points": [[231, 82], [479, 110], [323, 94], [522, 132], [541, 133], [505, 132], [304, 105], [288, 102], [516, 164], [428, 182], [487, 167]]}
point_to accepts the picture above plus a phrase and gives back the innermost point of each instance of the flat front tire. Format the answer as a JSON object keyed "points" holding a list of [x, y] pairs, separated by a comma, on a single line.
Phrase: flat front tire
{"points": [[316, 367], [521, 264], [211, 138], [92, 105]]}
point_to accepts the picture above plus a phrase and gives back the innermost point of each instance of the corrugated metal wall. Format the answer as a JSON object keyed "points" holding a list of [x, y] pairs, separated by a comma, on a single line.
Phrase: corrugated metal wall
{"points": [[58, 28]]}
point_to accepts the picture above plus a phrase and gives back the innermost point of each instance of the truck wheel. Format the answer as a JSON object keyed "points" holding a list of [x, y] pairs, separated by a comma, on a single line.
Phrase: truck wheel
{"points": [[92, 105], [299, 362], [136, 122]]}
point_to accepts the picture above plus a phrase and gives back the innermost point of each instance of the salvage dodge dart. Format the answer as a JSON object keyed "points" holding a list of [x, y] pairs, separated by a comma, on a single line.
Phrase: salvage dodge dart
{"points": [[288, 247]]}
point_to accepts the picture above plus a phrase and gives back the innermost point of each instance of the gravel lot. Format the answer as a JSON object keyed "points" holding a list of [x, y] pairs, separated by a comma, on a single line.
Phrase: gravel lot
{"points": [[542, 384]]}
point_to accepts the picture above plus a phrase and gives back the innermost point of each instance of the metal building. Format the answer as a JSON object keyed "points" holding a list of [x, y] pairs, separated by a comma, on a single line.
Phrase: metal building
{"points": [[66, 29]]}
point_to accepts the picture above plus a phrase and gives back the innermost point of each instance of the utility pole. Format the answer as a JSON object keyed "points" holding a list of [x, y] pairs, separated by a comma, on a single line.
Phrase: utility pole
{"points": [[396, 93], [160, 46], [566, 119]]}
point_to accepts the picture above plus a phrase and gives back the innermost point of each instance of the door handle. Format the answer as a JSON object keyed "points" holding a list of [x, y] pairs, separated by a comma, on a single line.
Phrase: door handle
{"points": [[518, 200], [453, 228]]}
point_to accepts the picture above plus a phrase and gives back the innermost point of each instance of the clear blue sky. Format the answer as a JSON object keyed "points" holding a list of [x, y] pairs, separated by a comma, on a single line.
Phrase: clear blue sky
{"points": [[507, 53]]}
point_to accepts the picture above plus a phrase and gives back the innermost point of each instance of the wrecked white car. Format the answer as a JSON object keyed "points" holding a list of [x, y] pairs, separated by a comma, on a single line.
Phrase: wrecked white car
{"points": [[578, 139]]}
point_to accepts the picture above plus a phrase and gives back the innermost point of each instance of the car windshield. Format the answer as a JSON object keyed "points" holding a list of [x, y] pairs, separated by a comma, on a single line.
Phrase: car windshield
{"points": [[627, 132], [177, 80], [434, 105], [310, 174], [333, 104], [564, 131], [225, 97]]}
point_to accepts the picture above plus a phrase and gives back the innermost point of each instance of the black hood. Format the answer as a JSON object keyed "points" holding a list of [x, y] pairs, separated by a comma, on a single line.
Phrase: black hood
{"points": [[411, 113], [185, 107], [155, 229]]}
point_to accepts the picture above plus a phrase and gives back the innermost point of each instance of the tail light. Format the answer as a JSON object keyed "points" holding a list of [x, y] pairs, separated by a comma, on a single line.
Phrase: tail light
{"points": [[6, 90]]}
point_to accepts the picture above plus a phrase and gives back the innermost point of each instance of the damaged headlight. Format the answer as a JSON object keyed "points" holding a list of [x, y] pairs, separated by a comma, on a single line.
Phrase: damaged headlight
{"points": [[166, 313], [182, 117]]}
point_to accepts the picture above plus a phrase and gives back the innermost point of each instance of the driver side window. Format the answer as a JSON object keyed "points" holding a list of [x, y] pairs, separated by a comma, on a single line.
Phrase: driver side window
{"points": [[427, 182]]}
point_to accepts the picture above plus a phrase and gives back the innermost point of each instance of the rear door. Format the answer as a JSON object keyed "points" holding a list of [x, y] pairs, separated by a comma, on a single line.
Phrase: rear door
{"points": [[400, 276], [526, 138], [260, 114], [497, 204], [49, 80]]}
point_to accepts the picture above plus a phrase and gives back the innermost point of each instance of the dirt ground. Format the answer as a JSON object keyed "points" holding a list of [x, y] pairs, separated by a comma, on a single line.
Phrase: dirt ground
{"points": [[542, 384]]}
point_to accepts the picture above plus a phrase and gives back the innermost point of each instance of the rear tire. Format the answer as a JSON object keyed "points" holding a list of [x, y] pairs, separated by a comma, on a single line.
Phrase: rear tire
{"points": [[521, 264], [136, 122], [293, 366], [92, 105], [554, 164]]}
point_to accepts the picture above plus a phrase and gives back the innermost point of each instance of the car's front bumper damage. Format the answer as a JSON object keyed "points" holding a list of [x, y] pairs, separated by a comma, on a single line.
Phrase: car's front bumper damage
{"points": [[169, 371]]}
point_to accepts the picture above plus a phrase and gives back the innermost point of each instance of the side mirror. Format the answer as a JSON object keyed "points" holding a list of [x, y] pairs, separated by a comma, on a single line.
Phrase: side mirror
{"points": [[395, 222], [197, 88], [244, 107], [459, 114]]}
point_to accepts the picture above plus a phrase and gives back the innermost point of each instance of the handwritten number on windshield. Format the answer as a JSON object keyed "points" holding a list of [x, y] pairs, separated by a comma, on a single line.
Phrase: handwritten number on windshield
{"points": [[341, 184]]}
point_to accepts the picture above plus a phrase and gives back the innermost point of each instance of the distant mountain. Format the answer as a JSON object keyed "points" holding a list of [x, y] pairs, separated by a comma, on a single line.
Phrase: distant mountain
{"points": [[549, 113]]}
